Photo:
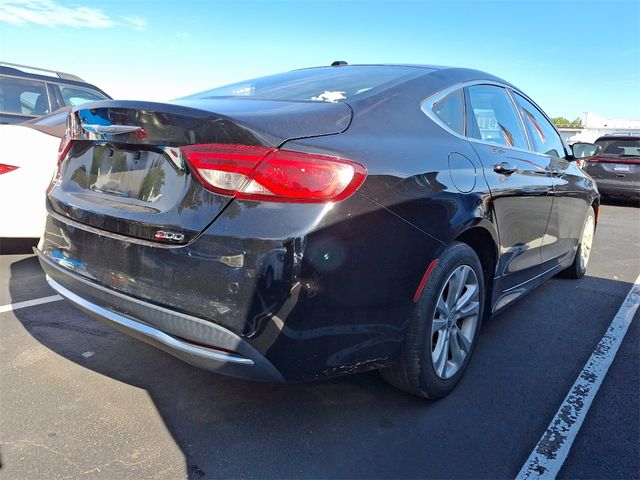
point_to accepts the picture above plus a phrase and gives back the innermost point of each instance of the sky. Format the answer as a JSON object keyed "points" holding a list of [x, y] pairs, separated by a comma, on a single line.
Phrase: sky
{"points": [[569, 56]]}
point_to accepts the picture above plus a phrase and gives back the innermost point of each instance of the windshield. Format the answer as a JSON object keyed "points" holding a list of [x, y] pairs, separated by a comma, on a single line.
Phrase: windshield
{"points": [[328, 84], [620, 147]]}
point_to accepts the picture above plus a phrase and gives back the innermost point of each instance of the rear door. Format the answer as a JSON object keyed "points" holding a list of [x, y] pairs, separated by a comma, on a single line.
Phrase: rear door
{"points": [[519, 180]]}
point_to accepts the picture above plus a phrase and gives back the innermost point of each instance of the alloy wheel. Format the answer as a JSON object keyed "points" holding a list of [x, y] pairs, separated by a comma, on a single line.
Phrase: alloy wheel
{"points": [[455, 321], [587, 241]]}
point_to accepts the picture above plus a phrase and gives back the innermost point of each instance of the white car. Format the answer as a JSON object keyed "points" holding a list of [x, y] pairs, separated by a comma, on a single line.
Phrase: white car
{"points": [[28, 156]]}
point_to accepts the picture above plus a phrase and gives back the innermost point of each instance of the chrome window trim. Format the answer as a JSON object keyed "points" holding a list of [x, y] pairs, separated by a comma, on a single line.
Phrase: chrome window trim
{"points": [[435, 118], [427, 104]]}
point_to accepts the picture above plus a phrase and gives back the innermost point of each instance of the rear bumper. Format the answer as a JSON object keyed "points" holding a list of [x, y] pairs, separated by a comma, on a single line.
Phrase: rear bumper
{"points": [[618, 188], [166, 329]]}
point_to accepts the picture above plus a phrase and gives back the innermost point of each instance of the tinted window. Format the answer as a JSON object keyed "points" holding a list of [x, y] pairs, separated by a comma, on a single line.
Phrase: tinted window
{"points": [[619, 147], [450, 111], [330, 84], [27, 97], [544, 138], [75, 95], [493, 117]]}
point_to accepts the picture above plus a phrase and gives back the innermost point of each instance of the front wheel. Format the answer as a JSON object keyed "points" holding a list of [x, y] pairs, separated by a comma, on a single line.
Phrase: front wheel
{"points": [[579, 266], [444, 327]]}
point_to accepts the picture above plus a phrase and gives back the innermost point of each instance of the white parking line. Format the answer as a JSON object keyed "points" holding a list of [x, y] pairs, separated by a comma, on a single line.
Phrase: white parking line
{"points": [[29, 303], [549, 454]]}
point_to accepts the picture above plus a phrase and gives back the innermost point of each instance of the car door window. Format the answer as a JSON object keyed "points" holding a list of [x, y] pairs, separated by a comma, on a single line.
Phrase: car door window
{"points": [[75, 96], [544, 138], [26, 97], [493, 118], [450, 111]]}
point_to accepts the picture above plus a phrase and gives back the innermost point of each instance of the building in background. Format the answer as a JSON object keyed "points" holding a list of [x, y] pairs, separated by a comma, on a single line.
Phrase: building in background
{"points": [[594, 126]]}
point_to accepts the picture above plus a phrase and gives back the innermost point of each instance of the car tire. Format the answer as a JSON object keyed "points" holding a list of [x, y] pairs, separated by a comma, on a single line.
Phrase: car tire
{"points": [[421, 370], [581, 260]]}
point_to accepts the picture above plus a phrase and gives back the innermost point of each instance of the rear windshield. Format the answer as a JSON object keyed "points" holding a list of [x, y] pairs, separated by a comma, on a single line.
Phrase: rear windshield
{"points": [[620, 147], [327, 84]]}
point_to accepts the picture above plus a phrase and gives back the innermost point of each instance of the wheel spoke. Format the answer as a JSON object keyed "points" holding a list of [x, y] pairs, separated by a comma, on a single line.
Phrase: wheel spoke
{"points": [[463, 341], [442, 307], [457, 355], [438, 324], [469, 294], [439, 355], [456, 285], [471, 308]]}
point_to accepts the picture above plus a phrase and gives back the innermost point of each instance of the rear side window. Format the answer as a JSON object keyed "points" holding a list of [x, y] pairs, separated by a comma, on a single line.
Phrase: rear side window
{"points": [[328, 84], [450, 111], [26, 97], [75, 95], [543, 136], [619, 147], [493, 118]]}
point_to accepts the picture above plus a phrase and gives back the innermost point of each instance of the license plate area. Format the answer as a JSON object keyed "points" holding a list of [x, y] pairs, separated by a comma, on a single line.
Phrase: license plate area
{"points": [[128, 173], [621, 168]]}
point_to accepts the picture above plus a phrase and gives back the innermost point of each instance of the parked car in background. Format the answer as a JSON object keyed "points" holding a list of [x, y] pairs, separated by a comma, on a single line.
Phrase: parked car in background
{"points": [[616, 168], [397, 207], [28, 153], [29, 92]]}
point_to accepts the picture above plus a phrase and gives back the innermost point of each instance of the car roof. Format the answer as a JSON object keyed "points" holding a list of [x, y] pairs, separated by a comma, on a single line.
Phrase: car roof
{"points": [[461, 74], [625, 136], [12, 71]]}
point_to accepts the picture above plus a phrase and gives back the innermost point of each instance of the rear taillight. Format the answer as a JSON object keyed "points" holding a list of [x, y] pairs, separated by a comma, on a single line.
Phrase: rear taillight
{"points": [[63, 149], [6, 168], [268, 174]]}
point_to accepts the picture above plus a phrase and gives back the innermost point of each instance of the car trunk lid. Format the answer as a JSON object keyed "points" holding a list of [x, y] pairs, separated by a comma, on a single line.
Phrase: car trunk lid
{"points": [[125, 174]]}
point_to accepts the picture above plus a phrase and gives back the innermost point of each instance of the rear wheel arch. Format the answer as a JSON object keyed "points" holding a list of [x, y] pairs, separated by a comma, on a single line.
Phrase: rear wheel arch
{"points": [[484, 244], [596, 209], [417, 369]]}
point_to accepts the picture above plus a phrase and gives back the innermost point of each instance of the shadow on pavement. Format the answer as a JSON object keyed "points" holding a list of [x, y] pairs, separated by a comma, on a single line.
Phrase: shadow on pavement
{"points": [[358, 426], [621, 202], [17, 245]]}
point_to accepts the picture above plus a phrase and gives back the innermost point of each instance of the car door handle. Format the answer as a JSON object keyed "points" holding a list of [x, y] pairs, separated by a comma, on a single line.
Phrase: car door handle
{"points": [[505, 168]]}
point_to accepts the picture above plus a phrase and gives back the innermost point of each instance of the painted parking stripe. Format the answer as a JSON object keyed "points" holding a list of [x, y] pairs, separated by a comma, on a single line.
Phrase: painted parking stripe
{"points": [[549, 454], [29, 303]]}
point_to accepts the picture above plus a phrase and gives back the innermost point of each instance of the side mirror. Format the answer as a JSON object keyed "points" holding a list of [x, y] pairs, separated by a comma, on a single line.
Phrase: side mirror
{"points": [[583, 150]]}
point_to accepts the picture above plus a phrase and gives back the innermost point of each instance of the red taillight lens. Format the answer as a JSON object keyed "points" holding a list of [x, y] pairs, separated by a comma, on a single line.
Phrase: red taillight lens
{"points": [[261, 173], [7, 168], [63, 149]]}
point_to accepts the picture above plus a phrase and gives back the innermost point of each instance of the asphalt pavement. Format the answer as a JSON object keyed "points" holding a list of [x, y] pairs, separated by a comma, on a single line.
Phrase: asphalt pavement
{"points": [[79, 399]]}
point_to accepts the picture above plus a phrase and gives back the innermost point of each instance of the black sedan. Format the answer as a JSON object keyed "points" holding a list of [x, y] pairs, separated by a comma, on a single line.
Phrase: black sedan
{"points": [[319, 222]]}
